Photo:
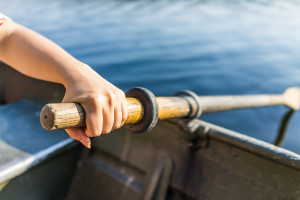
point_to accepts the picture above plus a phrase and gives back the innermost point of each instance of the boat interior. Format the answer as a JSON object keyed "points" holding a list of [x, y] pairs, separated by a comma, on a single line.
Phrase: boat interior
{"points": [[178, 159]]}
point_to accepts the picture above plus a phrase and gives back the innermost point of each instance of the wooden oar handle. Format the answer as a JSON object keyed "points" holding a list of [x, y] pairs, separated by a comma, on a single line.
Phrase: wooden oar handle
{"points": [[70, 115]]}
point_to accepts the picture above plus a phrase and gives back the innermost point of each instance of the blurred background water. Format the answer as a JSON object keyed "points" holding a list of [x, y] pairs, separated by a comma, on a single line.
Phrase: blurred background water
{"points": [[210, 47]]}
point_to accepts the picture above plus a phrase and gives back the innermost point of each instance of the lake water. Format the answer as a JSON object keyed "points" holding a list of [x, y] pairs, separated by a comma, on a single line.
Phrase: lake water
{"points": [[210, 47]]}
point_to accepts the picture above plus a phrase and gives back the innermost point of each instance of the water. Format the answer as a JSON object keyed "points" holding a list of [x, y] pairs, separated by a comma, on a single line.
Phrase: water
{"points": [[210, 47]]}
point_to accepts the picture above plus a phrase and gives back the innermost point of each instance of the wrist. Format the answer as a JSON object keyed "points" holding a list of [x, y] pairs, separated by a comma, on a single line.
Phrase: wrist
{"points": [[80, 72]]}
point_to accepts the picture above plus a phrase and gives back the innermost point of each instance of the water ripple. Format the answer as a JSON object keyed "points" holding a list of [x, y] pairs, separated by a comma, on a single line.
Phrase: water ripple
{"points": [[212, 47]]}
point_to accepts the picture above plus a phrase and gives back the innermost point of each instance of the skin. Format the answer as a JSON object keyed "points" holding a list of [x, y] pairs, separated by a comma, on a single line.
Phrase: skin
{"points": [[37, 57]]}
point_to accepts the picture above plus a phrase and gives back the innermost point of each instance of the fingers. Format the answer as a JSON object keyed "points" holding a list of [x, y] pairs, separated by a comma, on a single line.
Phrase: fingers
{"points": [[105, 110], [78, 134], [117, 118], [108, 120], [94, 120], [120, 111], [124, 110], [113, 113], [105, 113]]}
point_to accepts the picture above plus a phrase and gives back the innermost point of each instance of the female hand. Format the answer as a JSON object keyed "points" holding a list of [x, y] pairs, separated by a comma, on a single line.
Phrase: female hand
{"points": [[103, 103]]}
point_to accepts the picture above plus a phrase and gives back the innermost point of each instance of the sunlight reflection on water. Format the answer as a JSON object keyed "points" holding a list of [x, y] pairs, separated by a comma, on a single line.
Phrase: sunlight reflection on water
{"points": [[212, 48]]}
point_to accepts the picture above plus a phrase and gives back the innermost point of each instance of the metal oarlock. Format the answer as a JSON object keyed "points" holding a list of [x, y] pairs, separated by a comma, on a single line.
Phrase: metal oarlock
{"points": [[193, 109]]}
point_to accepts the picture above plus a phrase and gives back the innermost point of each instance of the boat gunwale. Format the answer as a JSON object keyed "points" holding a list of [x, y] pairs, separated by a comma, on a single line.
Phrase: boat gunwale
{"points": [[250, 144]]}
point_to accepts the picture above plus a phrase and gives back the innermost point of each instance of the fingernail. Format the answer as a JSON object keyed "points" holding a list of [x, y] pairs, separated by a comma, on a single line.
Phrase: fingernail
{"points": [[86, 144], [122, 124], [89, 145]]}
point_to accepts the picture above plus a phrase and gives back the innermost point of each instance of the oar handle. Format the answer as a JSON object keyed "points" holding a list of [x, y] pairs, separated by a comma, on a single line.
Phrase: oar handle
{"points": [[70, 115]]}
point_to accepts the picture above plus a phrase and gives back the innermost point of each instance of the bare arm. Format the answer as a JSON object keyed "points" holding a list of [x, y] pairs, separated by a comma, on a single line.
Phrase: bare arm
{"points": [[38, 57]]}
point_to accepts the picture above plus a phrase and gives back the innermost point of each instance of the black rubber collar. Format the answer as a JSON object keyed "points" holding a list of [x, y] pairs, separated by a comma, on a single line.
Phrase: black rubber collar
{"points": [[150, 105]]}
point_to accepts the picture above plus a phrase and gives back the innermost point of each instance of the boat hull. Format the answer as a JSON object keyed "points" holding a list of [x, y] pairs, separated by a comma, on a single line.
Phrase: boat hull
{"points": [[170, 163]]}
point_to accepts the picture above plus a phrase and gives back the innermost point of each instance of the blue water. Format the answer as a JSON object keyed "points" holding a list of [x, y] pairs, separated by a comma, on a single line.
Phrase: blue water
{"points": [[210, 47]]}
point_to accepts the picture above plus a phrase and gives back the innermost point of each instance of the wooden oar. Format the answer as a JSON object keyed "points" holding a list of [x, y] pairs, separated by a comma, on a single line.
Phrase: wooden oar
{"points": [[70, 115]]}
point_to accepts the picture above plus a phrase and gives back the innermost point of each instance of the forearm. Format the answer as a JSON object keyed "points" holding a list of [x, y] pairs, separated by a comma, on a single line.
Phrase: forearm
{"points": [[36, 56]]}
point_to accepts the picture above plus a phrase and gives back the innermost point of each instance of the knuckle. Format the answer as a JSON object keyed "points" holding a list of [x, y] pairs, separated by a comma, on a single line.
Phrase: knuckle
{"points": [[120, 94], [93, 99], [93, 133], [95, 102], [106, 131], [112, 98]]}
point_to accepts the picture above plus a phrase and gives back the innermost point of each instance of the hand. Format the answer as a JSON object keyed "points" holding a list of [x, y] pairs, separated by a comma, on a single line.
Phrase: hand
{"points": [[104, 104]]}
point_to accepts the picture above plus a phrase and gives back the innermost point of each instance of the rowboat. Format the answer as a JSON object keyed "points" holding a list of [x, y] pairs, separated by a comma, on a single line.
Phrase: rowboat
{"points": [[178, 159]]}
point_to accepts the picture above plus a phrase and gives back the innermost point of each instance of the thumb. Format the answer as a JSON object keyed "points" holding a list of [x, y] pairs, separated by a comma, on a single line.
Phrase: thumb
{"points": [[78, 134]]}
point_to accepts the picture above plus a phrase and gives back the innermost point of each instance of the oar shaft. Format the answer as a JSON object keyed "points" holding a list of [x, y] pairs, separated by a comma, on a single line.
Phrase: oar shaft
{"points": [[169, 107], [213, 104]]}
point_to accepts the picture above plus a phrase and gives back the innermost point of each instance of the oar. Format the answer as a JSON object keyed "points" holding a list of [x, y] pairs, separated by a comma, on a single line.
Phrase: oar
{"points": [[70, 115]]}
